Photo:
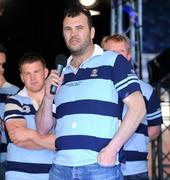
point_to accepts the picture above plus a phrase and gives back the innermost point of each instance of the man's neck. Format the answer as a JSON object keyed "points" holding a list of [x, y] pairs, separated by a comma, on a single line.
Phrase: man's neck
{"points": [[79, 59], [37, 96]]}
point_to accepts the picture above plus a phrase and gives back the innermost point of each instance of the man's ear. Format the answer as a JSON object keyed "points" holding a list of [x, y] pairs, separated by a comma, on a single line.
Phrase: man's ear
{"points": [[46, 71], [22, 79], [129, 56]]}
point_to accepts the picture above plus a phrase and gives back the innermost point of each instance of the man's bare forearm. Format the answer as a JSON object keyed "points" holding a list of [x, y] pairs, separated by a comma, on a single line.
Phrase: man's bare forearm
{"points": [[44, 118], [46, 141], [130, 122], [132, 119], [36, 141], [154, 132]]}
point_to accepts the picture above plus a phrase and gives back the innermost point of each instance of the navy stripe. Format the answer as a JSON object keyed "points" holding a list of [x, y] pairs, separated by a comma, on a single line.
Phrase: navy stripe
{"points": [[7, 113], [122, 158], [19, 114], [88, 107], [3, 98], [27, 108], [126, 82], [142, 129], [81, 142], [155, 122], [102, 72], [28, 167], [3, 147], [13, 101], [135, 156], [131, 89]]}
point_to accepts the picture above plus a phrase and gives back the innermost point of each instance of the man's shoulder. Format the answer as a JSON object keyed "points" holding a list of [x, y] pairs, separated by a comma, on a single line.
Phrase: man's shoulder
{"points": [[10, 88], [146, 88], [110, 54], [108, 57]]}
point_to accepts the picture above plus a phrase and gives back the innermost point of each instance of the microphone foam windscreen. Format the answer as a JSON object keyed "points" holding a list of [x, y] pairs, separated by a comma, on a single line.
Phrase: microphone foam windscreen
{"points": [[61, 59]]}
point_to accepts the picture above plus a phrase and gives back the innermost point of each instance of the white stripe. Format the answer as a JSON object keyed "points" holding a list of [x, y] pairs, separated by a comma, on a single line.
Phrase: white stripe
{"points": [[11, 116], [126, 80], [153, 115], [127, 84]]}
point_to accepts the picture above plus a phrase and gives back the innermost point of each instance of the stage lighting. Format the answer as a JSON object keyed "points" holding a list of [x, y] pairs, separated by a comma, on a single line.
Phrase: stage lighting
{"points": [[94, 12], [88, 3]]}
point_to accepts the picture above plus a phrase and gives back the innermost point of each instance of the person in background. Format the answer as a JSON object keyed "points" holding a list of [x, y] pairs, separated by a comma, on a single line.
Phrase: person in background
{"points": [[89, 104], [6, 89], [29, 154], [136, 148]]}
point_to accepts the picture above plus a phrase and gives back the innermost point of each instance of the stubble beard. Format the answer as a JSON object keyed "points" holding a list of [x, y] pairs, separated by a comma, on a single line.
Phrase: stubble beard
{"points": [[79, 50]]}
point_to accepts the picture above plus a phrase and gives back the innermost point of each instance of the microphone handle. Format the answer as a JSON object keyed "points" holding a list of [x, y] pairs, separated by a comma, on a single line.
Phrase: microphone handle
{"points": [[53, 89], [59, 69]]}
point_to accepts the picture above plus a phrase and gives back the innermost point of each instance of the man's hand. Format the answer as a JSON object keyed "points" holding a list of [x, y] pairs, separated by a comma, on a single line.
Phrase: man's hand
{"points": [[107, 157], [55, 80], [20, 134]]}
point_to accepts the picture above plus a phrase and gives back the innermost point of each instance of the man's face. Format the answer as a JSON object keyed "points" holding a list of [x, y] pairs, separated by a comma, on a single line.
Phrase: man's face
{"points": [[119, 47], [33, 76], [2, 62], [77, 34]]}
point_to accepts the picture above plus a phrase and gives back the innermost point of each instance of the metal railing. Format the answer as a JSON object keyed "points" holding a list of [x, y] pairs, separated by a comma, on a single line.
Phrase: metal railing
{"points": [[161, 146]]}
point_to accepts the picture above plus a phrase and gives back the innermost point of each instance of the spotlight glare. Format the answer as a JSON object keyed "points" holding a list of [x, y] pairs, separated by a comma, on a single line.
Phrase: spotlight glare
{"points": [[94, 13], [88, 3]]}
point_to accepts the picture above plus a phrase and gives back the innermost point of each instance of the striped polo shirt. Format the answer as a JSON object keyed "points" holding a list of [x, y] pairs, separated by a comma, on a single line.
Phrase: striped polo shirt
{"points": [[136, 149], [6, 90], [25, 163], [89, 106]]}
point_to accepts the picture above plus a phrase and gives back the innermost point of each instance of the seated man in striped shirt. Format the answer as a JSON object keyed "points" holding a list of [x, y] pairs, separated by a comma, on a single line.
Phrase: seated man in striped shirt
{"points": [[29, 154], [6, 89]]}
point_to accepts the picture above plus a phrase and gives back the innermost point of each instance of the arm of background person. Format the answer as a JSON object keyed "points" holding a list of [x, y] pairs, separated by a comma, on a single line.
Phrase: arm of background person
{"points": [[154, 132], [132, 119], [24, 137], [154, 116], [43, 114]]}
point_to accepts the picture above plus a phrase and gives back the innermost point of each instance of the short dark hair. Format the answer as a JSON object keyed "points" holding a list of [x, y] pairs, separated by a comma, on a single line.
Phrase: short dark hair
{"points": [[31, 57], [77, 9], [2, 49]]}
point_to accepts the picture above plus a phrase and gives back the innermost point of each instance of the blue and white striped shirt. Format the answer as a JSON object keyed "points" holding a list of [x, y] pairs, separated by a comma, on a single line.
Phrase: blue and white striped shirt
{"points": [[89, 106], [25, 163], [136, 149], [6, 90]]}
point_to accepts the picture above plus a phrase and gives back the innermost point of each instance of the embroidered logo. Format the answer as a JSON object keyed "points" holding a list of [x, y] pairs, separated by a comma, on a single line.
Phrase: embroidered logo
{"points": [[94, 73], [26, 109]]}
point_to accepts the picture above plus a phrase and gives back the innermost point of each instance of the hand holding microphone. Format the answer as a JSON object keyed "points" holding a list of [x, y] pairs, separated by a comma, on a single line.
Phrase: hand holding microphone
{"points": [[60, 63]]}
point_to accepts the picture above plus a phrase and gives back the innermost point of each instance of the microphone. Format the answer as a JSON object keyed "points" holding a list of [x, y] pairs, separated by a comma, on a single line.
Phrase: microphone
{"points": [[60, 63]]}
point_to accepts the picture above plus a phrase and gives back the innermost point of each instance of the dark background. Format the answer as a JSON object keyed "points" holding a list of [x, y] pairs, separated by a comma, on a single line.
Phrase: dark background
{"points": [[36, 25]]}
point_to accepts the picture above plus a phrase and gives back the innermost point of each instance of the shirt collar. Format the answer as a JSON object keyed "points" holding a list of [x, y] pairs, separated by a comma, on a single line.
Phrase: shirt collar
{"points": [[97, 51], [24, 93]]}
